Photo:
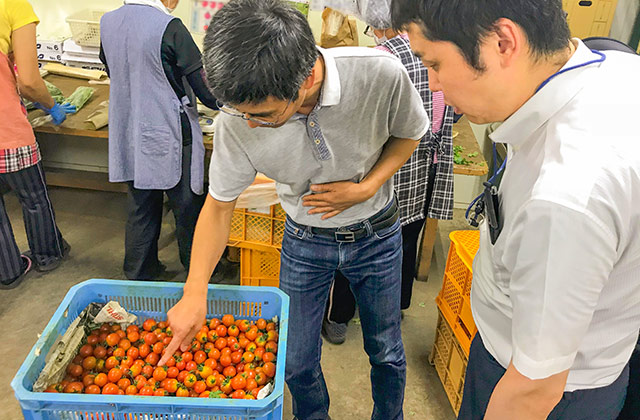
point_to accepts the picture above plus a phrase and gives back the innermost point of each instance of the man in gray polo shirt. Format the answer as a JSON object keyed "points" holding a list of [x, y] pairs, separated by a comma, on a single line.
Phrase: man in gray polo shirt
{"points": [[331, 127]]}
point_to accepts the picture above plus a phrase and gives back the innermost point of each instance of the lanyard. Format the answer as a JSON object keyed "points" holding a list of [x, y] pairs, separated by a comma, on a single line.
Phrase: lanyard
{"points": [[487, 203]]}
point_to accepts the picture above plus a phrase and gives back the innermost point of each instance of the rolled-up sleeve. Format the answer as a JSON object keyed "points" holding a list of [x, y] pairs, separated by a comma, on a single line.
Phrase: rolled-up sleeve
{"points": [[560, 259], [230, 171]]}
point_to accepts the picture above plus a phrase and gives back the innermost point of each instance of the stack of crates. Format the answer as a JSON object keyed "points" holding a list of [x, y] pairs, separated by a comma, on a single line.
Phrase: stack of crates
{"points": [[258, 233], [456, 328]]}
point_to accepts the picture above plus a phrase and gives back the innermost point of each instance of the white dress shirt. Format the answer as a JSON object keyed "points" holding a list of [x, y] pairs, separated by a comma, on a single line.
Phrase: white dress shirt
{"points": [[560, 289]]}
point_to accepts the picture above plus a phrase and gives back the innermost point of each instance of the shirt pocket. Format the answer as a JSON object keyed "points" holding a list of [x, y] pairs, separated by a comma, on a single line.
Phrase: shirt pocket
{"points": [[155, 140]]}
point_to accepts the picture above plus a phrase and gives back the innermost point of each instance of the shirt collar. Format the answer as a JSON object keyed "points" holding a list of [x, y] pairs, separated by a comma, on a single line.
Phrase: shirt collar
{"points": [[547, 101], [331, 88], [153, 3]]}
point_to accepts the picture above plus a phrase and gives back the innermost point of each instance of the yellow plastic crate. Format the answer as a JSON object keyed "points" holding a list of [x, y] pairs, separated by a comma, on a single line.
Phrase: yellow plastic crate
{"points": [[454, 297], [259, 268], [450, 362], [262, 227]]}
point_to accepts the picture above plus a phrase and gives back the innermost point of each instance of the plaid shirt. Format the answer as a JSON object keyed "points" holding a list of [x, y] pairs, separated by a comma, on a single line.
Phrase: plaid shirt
{"points": [[14, 160], [411, 180]]}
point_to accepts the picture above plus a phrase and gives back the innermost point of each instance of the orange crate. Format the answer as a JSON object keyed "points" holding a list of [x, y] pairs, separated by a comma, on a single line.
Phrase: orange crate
{"points": [[450, 362], [454, 297], [259, 268], [263, 227]]}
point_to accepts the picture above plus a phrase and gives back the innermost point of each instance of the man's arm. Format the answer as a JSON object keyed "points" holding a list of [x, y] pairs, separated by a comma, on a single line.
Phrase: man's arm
{"points": [[25, 55], [209, 242], [518, 397], [335, 197]]}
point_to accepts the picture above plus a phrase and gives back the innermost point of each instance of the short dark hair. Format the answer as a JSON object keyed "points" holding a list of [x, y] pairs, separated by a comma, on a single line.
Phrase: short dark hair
{"points": [[466, 23], [254, 49]]}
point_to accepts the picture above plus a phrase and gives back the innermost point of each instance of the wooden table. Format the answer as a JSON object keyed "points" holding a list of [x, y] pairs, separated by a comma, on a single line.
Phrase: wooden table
{"points": [[75, 125], [477, 167]]}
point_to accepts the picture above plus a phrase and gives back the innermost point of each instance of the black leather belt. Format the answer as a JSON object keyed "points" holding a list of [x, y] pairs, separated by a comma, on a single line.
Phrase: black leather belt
{"points": [[381, 220]]}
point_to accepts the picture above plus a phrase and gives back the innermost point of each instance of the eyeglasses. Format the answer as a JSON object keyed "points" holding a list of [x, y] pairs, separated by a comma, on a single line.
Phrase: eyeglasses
{"points": [[235, 113], [368, 31]]}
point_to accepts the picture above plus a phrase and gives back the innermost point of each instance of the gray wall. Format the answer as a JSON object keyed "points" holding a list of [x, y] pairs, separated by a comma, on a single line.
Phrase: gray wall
{"points": [[623, 20]]}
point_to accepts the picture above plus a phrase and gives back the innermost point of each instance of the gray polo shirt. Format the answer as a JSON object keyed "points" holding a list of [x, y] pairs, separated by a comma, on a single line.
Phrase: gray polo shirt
{"points": [[366, 97]]}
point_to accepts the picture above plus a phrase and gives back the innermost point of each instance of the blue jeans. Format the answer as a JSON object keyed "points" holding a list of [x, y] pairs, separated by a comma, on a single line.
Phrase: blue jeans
{"points": [[373, 265]]}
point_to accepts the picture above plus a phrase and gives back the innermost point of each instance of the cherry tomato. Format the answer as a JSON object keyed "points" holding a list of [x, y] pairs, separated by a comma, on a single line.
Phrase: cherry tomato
{"points": [[92, 339], [74, 388], [221, 331], [86, 351], [89, 363], [146, 390], [110, 389], [100, 352], [152, 358], [160, 373], [171, 385], [199, 387], [92, 389], [229, 372], [233, 331], [150, 338], [238, 382], [113, 339], [214, 323], [238, 394], [114, 374], [133, 336], [182, 392], [110, 363], [158, 348], [236, 357], [101, 379], [248, 357], [131, 390], [149, 324], [190, 380], [243, 325], [269, 369], [199, 357], [227, 320], [268, 357], [124, 383], [187, 356], [221, 343], [271, 347]]}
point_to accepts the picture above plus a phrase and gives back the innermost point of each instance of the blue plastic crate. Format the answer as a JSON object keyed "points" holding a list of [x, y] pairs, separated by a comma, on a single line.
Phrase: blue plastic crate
{"points": [[152, 300]]}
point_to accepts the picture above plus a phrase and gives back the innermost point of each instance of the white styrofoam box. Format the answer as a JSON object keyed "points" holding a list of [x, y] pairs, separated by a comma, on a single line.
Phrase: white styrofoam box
{"points": [[50, 45], [71, 47], [67, 56], [85, 65], [50, 56]]}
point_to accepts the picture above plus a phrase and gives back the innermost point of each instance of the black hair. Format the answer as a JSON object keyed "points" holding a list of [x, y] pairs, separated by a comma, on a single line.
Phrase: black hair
{"points": [[466, 23], [254, 49]]}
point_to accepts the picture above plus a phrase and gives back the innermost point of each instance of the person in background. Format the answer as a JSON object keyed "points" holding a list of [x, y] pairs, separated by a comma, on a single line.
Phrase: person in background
{"points": [[20, 161], [555, 281], [424, 185], [310, 119], [155, 140]]}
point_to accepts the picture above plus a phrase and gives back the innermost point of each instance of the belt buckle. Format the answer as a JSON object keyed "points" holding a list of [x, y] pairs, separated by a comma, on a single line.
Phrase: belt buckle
{"points": [[345, 236]]}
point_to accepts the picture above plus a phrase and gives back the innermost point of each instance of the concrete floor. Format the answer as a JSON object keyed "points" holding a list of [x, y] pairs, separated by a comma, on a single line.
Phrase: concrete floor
{"points": [[93, 223]]}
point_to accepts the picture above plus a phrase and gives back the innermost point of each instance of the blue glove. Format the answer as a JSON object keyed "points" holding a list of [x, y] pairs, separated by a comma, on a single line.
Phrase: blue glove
{"points": [[58, 112]]}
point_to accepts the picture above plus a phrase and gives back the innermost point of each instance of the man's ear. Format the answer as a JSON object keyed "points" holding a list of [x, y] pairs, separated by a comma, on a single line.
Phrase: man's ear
{"points": [[311, 79], [508, 40]]}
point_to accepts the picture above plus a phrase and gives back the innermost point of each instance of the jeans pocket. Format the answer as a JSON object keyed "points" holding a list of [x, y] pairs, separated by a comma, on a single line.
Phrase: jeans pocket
{"points": [[388, 231], [155, 140], [292, 231]]}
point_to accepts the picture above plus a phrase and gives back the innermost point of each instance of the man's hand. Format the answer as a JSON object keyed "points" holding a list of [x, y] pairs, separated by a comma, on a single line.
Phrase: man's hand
{"points": [[518, 397], [335, 197], [185, 320]]}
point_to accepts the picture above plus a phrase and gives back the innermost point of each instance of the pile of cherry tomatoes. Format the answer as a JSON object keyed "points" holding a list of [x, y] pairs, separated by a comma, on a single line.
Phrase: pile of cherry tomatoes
{"points": [[228, 359]]}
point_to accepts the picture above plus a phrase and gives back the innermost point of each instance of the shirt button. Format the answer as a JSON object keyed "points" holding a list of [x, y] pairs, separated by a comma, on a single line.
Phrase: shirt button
{"points": [[312, 124], [317, 141]]}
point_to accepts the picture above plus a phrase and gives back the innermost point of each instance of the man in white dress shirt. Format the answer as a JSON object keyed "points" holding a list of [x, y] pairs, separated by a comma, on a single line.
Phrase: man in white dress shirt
{"points": [[556, 285]]}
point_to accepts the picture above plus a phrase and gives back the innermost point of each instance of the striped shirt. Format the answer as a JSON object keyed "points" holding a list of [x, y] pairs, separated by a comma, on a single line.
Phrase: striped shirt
{"points": [[436, 147]]}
